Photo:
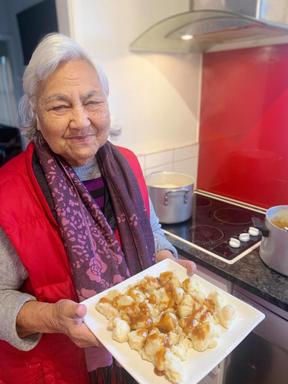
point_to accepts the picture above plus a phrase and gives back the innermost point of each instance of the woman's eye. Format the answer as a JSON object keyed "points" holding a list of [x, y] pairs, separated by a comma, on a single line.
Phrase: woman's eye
{"points": [[59, 107], [94, 103]]}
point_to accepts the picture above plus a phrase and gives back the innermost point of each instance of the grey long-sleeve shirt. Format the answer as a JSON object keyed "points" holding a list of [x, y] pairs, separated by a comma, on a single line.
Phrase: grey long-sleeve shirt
{"points": [[13, 274]]}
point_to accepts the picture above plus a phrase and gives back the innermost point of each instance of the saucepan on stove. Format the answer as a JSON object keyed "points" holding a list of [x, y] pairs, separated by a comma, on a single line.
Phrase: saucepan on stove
{"points": [[274, 243], [171, 194]]}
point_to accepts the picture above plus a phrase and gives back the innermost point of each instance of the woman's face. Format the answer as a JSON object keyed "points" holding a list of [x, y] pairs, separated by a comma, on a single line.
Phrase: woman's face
{"points": [[72, 112]]}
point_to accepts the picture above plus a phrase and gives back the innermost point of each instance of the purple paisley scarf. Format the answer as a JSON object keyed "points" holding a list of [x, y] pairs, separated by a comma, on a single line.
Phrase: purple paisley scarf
{"points": [[97, 259]]}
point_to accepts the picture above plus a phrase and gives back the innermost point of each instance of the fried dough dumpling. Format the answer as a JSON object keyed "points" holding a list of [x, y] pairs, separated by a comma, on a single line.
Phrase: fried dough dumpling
{"points": [[215, 301], [136, 339], [179, 295], [138, 315], [174, 336], [165, 361], [154, 342], [190, 285], [159, 359], [123, 301], [164, 277], [120, 330], [193, 288], [148, 284], [173, 367], [112, 294], [105, 307], [181, 349], [153, 310], [162, 298], [227, 315], [136, 294], [186, 306], [168, 322], [204, 336]]}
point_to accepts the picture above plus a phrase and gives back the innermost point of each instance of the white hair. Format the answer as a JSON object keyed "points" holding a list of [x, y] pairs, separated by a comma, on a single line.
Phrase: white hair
{"points": [[52, 50]]}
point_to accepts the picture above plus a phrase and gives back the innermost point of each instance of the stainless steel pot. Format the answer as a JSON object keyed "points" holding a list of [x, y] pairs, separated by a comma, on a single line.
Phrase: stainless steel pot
{"points": [[171, 195], [274, 244]]}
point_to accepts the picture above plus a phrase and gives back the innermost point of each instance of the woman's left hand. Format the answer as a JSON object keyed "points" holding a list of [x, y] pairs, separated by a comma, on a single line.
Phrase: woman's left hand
{"points": [[188, 264]]}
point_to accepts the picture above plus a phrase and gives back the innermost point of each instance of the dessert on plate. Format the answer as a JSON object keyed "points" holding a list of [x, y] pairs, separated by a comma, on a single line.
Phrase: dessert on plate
{"points": [[162, 318]]}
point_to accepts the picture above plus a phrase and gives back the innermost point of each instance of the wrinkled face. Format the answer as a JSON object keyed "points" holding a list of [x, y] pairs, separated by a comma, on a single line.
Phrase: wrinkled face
{"points": [[72, 112]]}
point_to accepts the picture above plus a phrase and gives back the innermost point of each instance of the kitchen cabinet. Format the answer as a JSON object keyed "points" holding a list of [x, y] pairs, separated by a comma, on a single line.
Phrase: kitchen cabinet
{"points": [[215, 376], [262, 357]]}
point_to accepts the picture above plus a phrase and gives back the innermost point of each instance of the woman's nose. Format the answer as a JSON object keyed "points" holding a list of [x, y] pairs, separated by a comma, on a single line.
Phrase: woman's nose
{"points": [[79, 118]]}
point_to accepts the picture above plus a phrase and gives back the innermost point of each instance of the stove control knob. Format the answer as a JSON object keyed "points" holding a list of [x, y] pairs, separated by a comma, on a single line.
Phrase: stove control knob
{"points": [[253, 231], [244, 237], [234, 243]]}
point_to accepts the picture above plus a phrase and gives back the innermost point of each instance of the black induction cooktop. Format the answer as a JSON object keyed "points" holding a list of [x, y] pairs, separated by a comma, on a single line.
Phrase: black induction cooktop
{"points": [[214, 222]]}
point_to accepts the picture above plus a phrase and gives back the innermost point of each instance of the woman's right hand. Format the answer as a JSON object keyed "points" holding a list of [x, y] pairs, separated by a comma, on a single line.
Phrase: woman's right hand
{"points": [[68, 317], [65, 316]]}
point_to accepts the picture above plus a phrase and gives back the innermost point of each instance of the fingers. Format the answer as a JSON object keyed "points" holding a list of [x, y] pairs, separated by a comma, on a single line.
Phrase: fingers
{"points": [[81, 310], [189, 265], [67, 309], [83, 337], [70, 316]]}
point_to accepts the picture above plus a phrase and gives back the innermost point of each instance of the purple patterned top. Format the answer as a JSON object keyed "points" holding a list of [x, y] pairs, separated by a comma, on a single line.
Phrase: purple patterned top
{"points": [[96, 188]]}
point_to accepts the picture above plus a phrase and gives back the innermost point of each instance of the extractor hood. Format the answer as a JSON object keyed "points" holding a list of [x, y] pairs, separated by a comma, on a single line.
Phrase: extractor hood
{"points": [[217, 23]]}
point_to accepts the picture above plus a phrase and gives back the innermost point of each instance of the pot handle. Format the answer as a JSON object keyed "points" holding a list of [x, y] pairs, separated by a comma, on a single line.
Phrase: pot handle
{"points": [[172, 191], [258, 223]]}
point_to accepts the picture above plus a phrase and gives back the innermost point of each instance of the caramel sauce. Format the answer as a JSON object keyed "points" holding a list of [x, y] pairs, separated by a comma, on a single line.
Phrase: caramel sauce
{"points": [[152, 299], [136, 314], [142, 332], [158, 373], [167, 322], [210, 304], [188, 324], [155, 337], [185, 284], [104, 300], [159, 359], [201, 331], [134, 293], [165, 277]]}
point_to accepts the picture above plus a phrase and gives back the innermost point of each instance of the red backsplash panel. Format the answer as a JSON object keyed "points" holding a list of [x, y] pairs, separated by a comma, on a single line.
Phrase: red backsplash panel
{"points": [[244, 125]]}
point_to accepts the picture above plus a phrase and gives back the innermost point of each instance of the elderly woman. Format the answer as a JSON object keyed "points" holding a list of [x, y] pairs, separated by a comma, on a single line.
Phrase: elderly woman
{"points": [[75, 219]]}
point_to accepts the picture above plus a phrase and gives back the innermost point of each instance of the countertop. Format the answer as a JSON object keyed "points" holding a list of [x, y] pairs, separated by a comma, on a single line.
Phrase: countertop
{"points": [[250, 273]]}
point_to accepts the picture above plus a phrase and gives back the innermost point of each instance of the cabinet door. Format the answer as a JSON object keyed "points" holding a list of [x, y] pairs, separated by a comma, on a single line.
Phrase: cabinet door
{"points": [[215, 376], [256, 361]]}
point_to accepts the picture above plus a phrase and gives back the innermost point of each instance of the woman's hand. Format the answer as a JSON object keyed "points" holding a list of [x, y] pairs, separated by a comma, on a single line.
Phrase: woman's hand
{"points": [[65, 316], [68, 319], [188, 264]]}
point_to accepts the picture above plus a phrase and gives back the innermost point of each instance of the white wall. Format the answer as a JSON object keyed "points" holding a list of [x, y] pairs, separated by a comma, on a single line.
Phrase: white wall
{"points": [[154, 97]]}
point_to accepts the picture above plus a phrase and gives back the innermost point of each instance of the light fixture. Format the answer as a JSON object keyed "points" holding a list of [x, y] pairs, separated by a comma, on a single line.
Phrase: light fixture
{"points": [[187, 37]]}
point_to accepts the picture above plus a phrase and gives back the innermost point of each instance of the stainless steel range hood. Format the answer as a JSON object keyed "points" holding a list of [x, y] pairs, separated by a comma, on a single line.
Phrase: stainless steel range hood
{"points": [[218, 23]]}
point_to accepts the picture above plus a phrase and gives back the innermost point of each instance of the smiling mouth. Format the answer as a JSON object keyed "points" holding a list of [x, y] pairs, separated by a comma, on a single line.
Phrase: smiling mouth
{"points": [[80, 138]]}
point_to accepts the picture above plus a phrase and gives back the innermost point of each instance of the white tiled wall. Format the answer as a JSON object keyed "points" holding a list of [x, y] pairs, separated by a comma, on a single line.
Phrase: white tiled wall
{"points": [[183, 159]]}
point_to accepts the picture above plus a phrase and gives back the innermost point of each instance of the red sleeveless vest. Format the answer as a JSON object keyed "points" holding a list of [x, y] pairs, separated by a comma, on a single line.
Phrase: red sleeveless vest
{"points": [[28, 222]]}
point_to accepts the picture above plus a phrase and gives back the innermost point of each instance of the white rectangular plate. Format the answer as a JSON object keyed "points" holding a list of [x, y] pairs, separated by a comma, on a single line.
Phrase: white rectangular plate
{"points": [[198, 364]]}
